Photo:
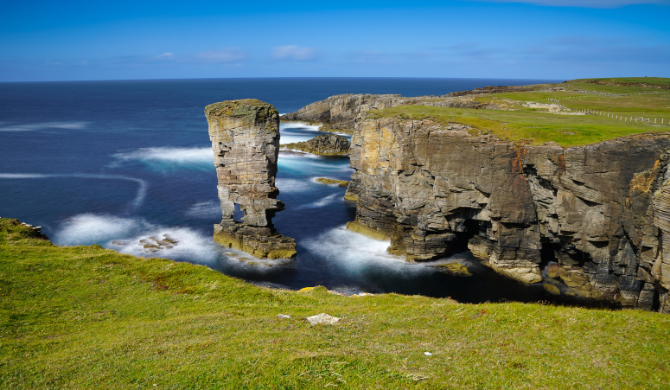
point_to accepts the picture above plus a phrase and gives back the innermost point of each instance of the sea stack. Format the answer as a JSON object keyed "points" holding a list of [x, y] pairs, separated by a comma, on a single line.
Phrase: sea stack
{"points": [[245, 140]]}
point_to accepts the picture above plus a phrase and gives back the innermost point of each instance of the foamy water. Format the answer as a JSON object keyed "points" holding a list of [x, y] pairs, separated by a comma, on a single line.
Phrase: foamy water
{"points": [[162, 158]]}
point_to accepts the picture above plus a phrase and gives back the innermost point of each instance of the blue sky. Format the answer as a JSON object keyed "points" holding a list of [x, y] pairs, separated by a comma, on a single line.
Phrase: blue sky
{"points": [[551, 39]]}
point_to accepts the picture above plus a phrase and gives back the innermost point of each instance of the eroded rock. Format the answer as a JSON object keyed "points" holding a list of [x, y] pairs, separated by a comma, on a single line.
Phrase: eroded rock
{"points": [[323, 145], [601, 212], [245, 140]]}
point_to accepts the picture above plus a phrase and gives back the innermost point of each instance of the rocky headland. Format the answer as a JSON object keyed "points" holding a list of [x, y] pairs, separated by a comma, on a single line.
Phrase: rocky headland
{"points": [[337, 113], [591, 220], [245, 140]]}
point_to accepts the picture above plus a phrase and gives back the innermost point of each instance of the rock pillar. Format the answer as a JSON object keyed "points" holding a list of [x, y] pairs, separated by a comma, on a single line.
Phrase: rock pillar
{"points": [[245, 140]]}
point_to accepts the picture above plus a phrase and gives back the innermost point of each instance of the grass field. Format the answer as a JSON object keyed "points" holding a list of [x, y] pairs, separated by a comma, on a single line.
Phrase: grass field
{"points": [[87, 317], [538, 126]]}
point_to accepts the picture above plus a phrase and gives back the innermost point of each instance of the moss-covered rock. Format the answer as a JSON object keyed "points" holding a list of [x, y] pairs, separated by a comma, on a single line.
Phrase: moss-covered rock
{"points": [[325, 180], [323, 145]]}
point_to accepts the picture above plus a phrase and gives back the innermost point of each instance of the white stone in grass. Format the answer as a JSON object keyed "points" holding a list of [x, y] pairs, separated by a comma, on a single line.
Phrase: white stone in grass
{"points": [[322, 318], [283, 316], [428, 354]]}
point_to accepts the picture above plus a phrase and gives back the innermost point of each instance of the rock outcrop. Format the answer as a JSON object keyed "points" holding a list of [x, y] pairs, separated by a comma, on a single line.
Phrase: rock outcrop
{"points": [[339, 112], [245, 140], [600, 212], [323, 145]]}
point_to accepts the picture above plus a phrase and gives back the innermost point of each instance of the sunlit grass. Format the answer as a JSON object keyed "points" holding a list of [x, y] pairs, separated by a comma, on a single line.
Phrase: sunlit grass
{"points": [[86, 317], [533, 126]]}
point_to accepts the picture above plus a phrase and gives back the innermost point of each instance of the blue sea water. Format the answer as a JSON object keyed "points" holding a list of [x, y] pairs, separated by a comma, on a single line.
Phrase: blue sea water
{"points": [[112, 162]]}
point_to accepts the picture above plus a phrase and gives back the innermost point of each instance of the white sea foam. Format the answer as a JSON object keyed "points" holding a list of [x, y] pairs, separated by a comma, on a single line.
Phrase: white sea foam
{"points": [[161, 158], [124, 235], [87, 229], [204, 210], [46, 125], [310, 164], [356, 253], [298, 125], [293, 138], [325, 201], [137, 201], [293, 185]]}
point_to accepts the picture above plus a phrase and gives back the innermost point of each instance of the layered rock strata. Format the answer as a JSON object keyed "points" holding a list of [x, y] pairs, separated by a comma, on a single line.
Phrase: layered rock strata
{"points": [[323, 145], [600, 212], [245, 140]]}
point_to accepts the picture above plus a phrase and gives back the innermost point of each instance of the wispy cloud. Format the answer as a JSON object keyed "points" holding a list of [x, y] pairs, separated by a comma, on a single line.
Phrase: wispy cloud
{"points": [[165, 56], [226, 55], [581, 3], [294, 53]]}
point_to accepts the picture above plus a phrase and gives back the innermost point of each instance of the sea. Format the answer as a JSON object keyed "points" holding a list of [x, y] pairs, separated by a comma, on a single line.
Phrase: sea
{"points": [[115, 162]]}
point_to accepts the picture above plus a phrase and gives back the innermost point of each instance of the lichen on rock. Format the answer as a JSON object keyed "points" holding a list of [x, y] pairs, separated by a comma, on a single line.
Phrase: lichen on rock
{"points": [[245, 141]]}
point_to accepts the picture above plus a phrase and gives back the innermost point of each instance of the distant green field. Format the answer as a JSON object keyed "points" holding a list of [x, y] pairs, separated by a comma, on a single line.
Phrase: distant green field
{"points": [[659, 81], [538, 126], [533, 126], [87, 317]]}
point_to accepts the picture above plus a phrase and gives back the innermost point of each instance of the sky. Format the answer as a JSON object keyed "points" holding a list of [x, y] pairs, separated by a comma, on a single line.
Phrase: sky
{"points": [[146, 39]]}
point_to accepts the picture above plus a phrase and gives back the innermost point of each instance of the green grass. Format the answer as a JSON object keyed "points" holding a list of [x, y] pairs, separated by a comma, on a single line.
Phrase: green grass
{"points": [[87, 317], [535, 127], [660, 81]]}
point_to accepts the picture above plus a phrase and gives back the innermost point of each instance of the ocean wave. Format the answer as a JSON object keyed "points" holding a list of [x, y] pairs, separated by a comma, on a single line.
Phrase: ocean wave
{"points": [[124, 235], [356, 254], [204, 210], [325, 201], [46, 125], [293, 185], [140, 195], [298, 125], [162, 158]]}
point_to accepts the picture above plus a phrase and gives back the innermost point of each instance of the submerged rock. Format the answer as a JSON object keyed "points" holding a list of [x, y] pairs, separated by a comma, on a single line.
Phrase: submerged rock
{"points": [[325, 180], [323, 145], [245, 140], [152, 244]]}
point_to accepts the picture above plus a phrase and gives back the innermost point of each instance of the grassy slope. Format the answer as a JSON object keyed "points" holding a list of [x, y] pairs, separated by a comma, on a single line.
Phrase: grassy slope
{"points": [[86, 317], [538, 126]]}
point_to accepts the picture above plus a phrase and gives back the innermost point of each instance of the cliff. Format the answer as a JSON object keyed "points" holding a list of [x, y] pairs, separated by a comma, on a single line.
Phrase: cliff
{"points": [[600, 212], [245, 140], [339, 111]]}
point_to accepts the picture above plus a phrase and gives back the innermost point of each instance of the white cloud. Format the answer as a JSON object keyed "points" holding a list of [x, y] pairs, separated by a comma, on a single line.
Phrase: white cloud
{"points": [[227, 55], [165, 56], [293, 53], [581, 3]]}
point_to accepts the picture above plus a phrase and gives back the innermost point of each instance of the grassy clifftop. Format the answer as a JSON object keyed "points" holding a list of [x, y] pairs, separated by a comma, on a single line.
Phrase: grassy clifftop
{"points": [[616, 107], [87, 317]]}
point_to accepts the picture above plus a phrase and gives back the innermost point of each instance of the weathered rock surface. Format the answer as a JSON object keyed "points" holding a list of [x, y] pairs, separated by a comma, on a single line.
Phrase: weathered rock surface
{"points": [[340, 111], [323, 145], [601, 211], [245, 140]]}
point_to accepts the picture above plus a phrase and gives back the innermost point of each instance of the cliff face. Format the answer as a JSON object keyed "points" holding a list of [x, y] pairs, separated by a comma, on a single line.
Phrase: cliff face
{"points": [[601, 212], [245, 140], [340, 111]]}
